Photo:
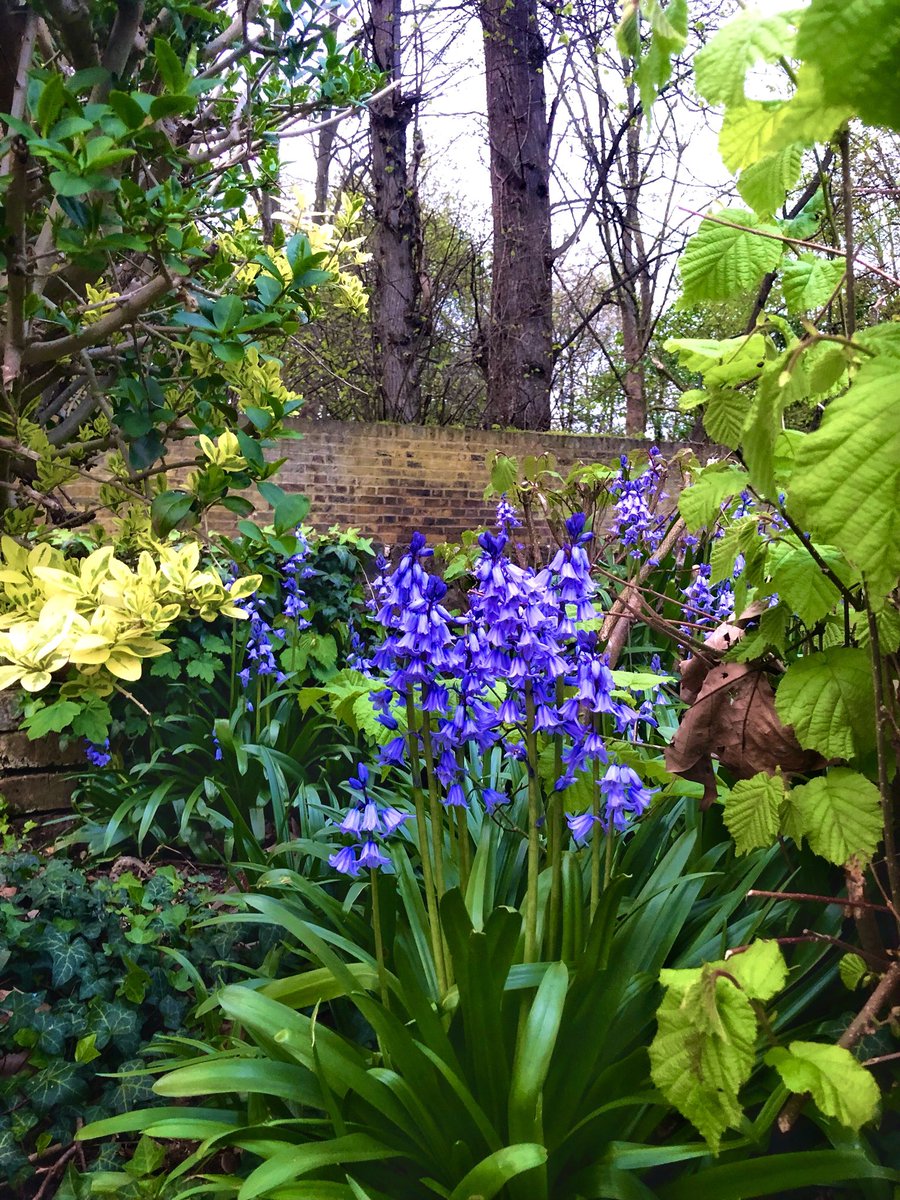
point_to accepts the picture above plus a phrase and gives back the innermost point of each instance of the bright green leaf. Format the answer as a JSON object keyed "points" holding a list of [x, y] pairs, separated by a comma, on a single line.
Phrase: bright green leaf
{"points": [[839, 814], [840, 1086], [828, 699], [752, 810], [721, 261], [810, 281]]}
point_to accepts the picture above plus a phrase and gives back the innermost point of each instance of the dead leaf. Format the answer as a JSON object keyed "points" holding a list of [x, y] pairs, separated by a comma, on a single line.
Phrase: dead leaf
{"points": [[733, 719]]}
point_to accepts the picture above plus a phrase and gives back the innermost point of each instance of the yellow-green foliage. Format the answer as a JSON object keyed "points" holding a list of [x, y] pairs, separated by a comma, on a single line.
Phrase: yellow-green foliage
{"points": [[96, 614]]}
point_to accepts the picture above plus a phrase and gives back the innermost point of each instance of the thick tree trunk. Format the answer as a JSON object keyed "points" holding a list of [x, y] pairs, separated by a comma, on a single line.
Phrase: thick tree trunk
{"points": [[397, 233], [520, 337]]}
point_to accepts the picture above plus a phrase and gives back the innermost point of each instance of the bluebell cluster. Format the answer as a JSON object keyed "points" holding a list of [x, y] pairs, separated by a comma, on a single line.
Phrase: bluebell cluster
{"points": [[265, 638], [636, 521], [517, 656]]}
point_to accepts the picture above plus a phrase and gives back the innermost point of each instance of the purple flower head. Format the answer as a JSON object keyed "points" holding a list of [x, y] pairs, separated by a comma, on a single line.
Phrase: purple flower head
{"points": [[371, 857], [581, 826], [493, 799], [507, 516], [98, 754], [359, 782], [344, 861], [624, 793]]}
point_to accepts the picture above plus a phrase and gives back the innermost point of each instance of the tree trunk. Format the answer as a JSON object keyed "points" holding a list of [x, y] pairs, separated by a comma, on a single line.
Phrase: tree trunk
{"points": [[397, 232], [520, 335]]}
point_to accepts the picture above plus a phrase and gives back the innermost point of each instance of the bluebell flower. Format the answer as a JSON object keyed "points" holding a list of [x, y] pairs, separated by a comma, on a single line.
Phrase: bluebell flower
{"points": [[98, 754], [493, 799], [581, 825], [624, 793], [218, 749], [371, 857], [344, 861], [507, 516]]}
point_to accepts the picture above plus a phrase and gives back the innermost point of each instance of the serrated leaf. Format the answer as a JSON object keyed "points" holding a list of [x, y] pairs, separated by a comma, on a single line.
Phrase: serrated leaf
{"points": [[846, 483], [852, 970], [827, 371], [747, 133], [760, 969], [752, 809], [801, 583], [700, 503], [724, 417], [721, 261], [52, 718], [703, 1050], [840, 1086], [828, 699], [839, 814], [722, 361], [809, 281], [721, 66], [856, 45], [764, 185]]}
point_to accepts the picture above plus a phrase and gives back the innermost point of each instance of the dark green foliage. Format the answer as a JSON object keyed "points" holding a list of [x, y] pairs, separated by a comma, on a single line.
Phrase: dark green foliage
{"points": [[93, 966]]}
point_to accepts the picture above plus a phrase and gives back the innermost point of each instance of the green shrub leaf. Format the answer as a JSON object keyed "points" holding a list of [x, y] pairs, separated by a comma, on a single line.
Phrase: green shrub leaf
{"points": [[839, 814], [840, 1086], [828, 699], [752, 809]]}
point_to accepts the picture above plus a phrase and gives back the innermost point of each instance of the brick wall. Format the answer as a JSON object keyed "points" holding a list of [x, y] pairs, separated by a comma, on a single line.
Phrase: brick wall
{"points": [[386, 480], [32, 774], [389, 480]]}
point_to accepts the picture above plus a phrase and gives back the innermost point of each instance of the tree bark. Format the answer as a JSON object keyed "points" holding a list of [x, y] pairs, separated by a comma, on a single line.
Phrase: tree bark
{"points": [[635, 292], [397, 237], [520, 333]]}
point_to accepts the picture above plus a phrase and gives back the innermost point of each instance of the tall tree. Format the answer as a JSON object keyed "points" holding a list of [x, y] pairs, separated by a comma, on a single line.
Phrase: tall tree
{"points": [[520, 331], [397, 238]]}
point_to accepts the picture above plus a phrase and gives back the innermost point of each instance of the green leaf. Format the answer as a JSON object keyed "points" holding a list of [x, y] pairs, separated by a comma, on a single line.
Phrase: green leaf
{"points": [[840, 1086], [722, 65], [799, 580], [852, 970], [504, 472], [52, 718], [148, 1157], [290, 510], [86, 1049], [765, 184], [856, 46], [722, 361], [168, 510], [295, 1161], [839, 814], [492, 1174], [752, 810], [258, 1076], [810, 281], [700, 503], [720, 261], [52, 98], [846, 483], [760, 969], [776, 1175], [127, 109], [226, 313], [56, 1085], [725, 415], [748, 133], [171, 72], [703, 1051], [828, 698], [534, 1053], [66, 184]]}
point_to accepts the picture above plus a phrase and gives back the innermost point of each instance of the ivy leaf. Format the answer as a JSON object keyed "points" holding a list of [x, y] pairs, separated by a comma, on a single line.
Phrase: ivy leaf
{"points": [[765, 184], [846, 483], [809, 281], [828, 698], [67, 956], [700, 503], [720, 261], [752, 809], [722, 65], [840, 1086], [856, 46], [57, 1084], [703, 1050], [839, 814]]}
